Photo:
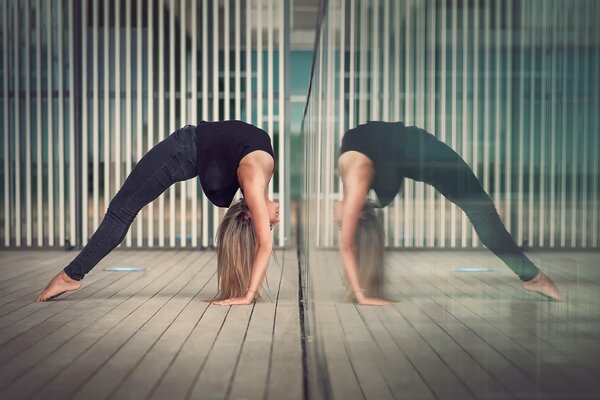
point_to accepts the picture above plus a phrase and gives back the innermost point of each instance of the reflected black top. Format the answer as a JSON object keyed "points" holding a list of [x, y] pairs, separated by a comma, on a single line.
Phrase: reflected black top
{"points": [[220, 147], [385, 143]]}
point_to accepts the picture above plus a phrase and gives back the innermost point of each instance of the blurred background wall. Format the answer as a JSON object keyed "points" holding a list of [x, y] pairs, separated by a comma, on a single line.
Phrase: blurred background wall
{"points": [[89, 86]]}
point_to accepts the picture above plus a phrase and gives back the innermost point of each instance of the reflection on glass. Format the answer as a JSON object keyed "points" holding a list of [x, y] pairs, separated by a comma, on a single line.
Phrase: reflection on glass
{"points": [[379, 155]]}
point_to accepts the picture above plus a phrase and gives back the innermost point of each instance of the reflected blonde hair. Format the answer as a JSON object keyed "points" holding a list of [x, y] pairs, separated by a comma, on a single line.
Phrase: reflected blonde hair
{"points": [[236, 249], [369, 251]]}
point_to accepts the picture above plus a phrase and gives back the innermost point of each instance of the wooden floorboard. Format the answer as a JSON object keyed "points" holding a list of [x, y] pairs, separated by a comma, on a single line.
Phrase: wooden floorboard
{"points": [[458, 335]]}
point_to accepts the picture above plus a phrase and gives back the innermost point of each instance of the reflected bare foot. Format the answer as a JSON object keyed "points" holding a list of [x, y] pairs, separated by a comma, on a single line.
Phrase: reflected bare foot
{"points": [[60, 284], [372, 301], [544, 285]]}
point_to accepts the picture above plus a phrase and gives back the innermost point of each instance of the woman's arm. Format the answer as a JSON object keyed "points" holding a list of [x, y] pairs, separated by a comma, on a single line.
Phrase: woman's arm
{"points": [[254, 178], [356, 181]]}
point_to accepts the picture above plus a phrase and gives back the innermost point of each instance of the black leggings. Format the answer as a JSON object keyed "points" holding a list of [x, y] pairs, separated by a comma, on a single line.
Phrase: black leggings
{"points": [[172, 160], [437, 164]]}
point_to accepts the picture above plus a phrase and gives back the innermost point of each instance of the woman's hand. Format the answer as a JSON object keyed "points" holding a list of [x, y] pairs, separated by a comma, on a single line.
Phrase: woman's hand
{"points": [[234, 301]]}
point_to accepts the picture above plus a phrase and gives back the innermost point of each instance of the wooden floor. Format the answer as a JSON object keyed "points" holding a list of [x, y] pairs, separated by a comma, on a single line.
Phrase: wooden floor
{"points": [[152, 334], [456, 335]]}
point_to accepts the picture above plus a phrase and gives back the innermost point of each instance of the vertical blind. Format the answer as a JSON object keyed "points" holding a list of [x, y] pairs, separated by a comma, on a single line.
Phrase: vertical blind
{"points": [[513, 86], [88, 87]]}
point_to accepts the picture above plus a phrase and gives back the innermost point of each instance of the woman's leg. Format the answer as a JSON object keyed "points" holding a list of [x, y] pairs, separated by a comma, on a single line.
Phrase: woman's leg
{"points": [[451, 175], [170, 161], [457, 182]]}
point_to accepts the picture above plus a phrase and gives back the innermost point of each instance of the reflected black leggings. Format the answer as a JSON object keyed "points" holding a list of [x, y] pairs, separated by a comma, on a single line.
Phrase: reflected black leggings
{"points": [[437, 164], [170, 161]]}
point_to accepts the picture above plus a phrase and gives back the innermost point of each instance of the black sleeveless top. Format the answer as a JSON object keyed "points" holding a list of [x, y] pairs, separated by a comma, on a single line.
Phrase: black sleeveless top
{"points": [[383, 143], [220, 147]]}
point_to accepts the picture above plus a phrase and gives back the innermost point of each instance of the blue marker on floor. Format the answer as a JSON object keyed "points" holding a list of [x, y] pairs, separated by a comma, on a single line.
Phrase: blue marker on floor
{"points": [[125, 269], [473, 269]]}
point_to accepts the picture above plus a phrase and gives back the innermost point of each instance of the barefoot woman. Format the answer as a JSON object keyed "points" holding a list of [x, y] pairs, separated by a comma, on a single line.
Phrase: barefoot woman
{"points": [[378, 156], [226, 155]]}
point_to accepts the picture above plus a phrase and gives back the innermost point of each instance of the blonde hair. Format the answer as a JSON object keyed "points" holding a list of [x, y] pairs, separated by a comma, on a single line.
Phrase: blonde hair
{"points": [[236, 249], [369, 251]]}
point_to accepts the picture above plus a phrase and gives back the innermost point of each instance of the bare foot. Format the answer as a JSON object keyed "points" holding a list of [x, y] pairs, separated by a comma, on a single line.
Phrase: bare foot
{"points": [[544, 285], [60, 284]]}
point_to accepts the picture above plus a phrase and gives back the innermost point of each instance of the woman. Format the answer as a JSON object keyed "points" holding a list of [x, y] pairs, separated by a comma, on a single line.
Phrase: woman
{"points": [[226, 155], [378, 156]]}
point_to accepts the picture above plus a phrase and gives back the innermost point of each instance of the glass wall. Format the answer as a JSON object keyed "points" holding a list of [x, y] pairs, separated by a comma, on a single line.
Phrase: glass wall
{"points": [[501, 94]]}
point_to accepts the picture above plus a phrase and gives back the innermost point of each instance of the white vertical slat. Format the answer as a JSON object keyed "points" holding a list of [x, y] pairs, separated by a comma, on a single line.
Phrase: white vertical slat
{"points": [[17, 118], [205, 115], [362, 66], [282, 131], [183, 84], [215, 80], [238, 61], [249, 61], [139, 113], [341, 97], [319, 140], [194, 116], [329, 131], [466, 130], [564, 134], [95, 114], [543, 131], [421, 106], [351, 66], [29, 225], [397, 79], [585, 130], [375, 50], [259, 64], [386, 95], [226, 67], [106, 128], [486, 100], [50, 135], [454, 104], [5, 55], [498, 109], [408, 118], [150, 131], [508, 131], [117, 113], [476, 101], [576, 129], [161, 113], [84, 125], [39, 158], [431, 118], [553, 118], [119, 131], [172, 114], [72, 166], [521, 109], [532, 127], [61, 129], [270, 90], [443, 111]]}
